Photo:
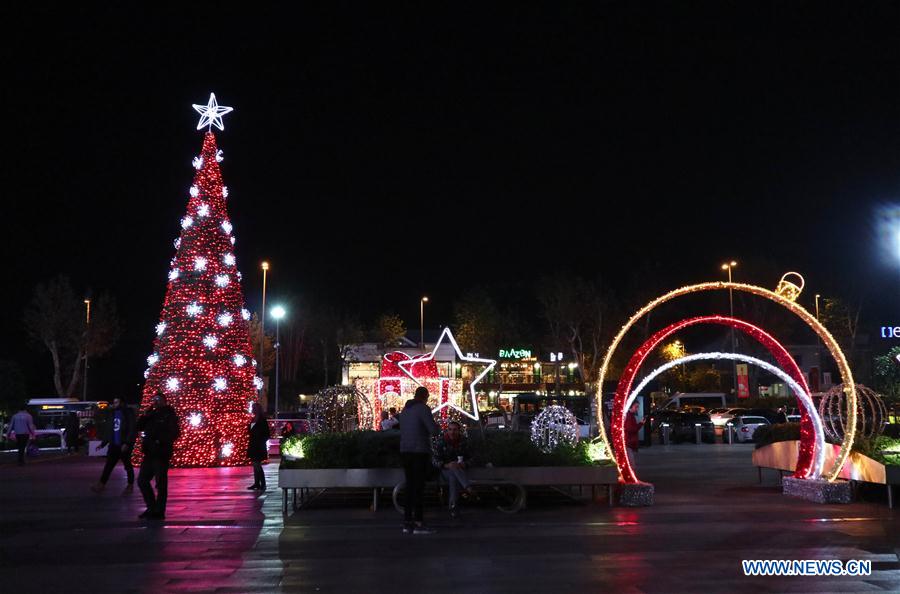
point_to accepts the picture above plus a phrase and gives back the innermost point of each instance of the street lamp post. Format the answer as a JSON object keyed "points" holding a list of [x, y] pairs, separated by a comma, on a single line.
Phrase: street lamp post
{"points": [[277, 313], [87, 323], [728, 266], [262, 330], [422, 302], [818, 343], [262, 318]]}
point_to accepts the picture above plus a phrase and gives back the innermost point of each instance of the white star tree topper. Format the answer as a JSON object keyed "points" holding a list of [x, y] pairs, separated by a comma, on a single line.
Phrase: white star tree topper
{"points": [[211, 113], [489, 364]]}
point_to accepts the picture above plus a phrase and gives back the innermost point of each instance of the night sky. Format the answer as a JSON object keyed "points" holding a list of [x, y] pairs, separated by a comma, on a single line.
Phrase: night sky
{"points": [[373, 157]]}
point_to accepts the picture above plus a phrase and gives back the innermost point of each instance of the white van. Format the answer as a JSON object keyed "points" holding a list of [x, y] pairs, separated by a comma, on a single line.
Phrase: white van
{"points": [[708, 400]]}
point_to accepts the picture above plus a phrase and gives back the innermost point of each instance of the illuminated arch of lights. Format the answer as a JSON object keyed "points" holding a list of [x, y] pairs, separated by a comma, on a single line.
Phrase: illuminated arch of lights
{"points": [[785, 295], [778, 352], [802, 394]]}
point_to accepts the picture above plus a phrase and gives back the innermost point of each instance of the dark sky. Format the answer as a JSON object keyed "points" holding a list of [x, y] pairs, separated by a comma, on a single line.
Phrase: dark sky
{"points": [[376, 156]]}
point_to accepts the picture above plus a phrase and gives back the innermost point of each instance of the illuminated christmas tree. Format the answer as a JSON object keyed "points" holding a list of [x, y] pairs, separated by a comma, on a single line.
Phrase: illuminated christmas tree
{"points": [[202, 358]]}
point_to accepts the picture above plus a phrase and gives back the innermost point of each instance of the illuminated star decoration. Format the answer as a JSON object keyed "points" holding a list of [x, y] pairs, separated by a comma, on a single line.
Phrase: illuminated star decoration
{"points": [[211, 113], [489, 364]]}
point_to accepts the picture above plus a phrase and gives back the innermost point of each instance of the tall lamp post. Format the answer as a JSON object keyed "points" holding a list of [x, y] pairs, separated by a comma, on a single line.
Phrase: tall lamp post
{"points": [[728, 266], [87, 324], [277, 313], [819, 345], [422, 303], [262, 318]]}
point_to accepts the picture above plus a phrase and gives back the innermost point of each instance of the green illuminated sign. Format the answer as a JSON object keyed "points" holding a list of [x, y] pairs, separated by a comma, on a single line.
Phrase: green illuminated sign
{"points": [[515, 354]]}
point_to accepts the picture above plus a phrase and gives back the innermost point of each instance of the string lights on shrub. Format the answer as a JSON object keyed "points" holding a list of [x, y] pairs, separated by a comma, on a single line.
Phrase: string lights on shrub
{"points": [[200, 352]]}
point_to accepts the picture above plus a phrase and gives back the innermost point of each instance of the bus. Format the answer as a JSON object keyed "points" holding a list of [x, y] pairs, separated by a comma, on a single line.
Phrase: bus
{"points": [[51, 413]]}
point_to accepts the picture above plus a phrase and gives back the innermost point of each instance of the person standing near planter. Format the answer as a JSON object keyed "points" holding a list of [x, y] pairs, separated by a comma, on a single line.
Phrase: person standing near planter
{"points": [[159, 429], [417, 427], [117, 433], [632, 427], [258, 446]]}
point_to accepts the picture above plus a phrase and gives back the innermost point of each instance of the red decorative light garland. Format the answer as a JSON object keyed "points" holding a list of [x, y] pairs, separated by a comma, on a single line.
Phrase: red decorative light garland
{"points": [[784, 359]]}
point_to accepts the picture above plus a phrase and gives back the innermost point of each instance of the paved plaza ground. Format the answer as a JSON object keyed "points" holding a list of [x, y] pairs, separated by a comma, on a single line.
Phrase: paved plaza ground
{"points": [[710, 512]]}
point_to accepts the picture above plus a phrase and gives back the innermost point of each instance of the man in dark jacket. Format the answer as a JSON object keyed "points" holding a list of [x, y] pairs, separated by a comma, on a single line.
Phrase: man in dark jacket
{"points": [[159, 429], [417, 427], [118, 431], [73, 427]]}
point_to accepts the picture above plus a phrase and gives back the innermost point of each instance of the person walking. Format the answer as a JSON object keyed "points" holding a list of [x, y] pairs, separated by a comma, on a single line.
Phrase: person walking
{"points": [[159, 429], [258, 446], [73, 428], [632, 427], [120, 428], [417, 427], [21, 429]]}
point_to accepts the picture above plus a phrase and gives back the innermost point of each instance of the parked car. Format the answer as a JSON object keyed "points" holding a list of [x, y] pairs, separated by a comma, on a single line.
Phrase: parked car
{"points": [[660, 416], [683, 427], [770, 414], [722, 415], [745, 426]]}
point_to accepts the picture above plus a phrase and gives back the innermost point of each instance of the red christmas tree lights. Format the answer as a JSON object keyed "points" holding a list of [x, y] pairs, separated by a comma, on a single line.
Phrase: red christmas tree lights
{"points": [[202, 356]]}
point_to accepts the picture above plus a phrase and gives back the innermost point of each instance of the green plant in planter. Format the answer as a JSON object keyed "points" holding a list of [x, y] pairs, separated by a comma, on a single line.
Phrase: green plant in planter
{"points": [[882, 449], [381, 449], [769, 434]]}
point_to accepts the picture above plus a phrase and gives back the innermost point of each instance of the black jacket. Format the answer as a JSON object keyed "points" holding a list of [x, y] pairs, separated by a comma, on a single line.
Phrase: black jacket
{"points": [[126, 431], [160, 430], [258, 447]]}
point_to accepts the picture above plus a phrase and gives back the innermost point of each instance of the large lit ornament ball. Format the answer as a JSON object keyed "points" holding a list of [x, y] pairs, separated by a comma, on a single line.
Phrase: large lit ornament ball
{"points": [[340, 408], [554, 425], [870, 412]]}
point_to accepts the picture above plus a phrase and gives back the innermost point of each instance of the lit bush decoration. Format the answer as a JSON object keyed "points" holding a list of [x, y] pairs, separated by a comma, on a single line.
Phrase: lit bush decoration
{"points": [[554, 425], [340, 408], [870, 412], [823, 333], [292, 447]]}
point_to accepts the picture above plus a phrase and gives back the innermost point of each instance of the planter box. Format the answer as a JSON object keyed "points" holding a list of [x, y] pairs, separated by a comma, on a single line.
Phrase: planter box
{"points": [[377, 478], [782, 455], [333, 478]]}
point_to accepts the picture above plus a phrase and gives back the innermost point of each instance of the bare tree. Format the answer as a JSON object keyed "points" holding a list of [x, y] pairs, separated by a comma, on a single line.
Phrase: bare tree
{"points": [[477, 322], [390, 329], [577, 314], [55, 319], [842, 320]]}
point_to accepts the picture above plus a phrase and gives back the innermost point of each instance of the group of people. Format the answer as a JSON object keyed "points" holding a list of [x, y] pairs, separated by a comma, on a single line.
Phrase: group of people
{"points": [[423, 450], [158, 429], [23, 431]]}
